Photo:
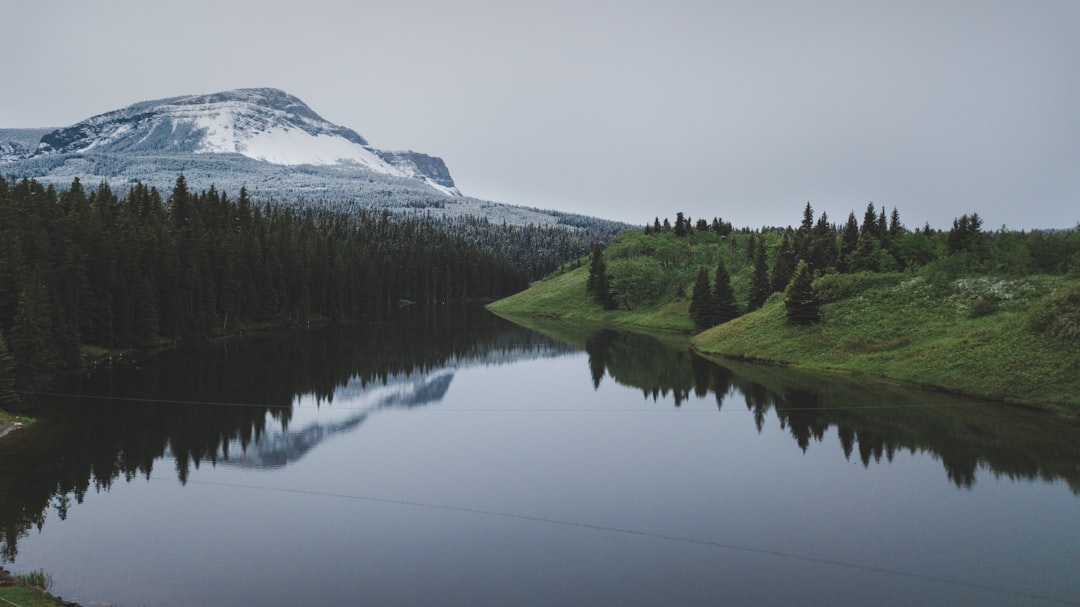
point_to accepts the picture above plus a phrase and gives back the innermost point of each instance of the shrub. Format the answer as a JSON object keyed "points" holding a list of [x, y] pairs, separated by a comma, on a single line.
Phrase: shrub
{"points": [[985, 305], [834, 287], [1059, 314], [38, 579]]}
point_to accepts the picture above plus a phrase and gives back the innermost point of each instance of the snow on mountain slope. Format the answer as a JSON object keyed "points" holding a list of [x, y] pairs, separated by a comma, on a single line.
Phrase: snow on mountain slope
{"points": [[262, 124]]}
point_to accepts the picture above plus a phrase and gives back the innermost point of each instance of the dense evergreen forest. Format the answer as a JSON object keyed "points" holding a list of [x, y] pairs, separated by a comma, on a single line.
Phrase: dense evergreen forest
{"points": [[94, 268]]}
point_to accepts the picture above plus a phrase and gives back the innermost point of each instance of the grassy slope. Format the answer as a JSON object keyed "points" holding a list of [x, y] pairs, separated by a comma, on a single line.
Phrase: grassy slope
{"points": [[25, 596], [894, 327], [563, 297], [664, 261], [906, 330]]}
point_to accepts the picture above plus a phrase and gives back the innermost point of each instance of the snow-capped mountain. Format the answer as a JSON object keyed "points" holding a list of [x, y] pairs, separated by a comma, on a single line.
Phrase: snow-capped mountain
{"points": [[263, 124], [284, 154]]}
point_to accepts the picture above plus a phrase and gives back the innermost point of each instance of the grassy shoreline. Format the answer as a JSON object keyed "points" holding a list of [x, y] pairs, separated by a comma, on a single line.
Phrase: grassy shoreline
{"points": [[893, 328]]}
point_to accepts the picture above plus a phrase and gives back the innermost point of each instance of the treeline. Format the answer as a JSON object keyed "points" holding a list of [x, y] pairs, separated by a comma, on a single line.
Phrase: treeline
{"points": [[537, 249], [97, 268], [659, 262]]}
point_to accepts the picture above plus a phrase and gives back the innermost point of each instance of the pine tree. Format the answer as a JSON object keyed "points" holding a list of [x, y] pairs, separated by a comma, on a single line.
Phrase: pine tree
{"points": [[822, 253], [800, 299], [784, 266], [699, 302], [680, 224], [724, 306], [849, 241], [597, 283], [759, 283], [869, 223]]}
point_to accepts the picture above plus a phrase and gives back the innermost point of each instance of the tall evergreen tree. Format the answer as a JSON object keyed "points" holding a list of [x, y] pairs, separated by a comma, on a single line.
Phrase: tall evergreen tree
{"points": [[822, 253], [800, 299], [869, 223], [597, 284], [759, 282], [804, 234], [724, 307], [849, 241], [700, 309], [680, 224], [784, 266]]}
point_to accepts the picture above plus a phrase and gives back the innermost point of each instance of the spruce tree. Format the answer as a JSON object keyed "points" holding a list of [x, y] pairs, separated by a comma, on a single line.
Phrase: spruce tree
{"points": [[784, 266], [804, 235], [700, 311], [759, 283], [869, 223], [723, 306], [680, 224], [597, 283], [800, 299], [849, 241]]}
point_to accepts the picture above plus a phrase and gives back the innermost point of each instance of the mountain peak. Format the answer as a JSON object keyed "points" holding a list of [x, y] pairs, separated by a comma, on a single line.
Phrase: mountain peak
{"points": [[263, 124]]}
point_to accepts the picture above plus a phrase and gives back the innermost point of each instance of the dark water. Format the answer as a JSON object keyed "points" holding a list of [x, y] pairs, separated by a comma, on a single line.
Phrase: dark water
{"points": [[463, 460]]}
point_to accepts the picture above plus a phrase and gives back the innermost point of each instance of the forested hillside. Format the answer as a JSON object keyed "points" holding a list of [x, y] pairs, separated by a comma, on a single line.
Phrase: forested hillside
{"points": [[990, 313], [97, 268]]}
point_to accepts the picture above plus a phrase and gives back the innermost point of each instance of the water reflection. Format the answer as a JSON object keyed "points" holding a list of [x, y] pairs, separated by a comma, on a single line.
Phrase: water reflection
{"points": [[234, 403], [253, 404], [872, 420]]}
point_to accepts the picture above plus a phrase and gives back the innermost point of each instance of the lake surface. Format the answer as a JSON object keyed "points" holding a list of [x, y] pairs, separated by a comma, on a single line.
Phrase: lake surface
{"points": [[458, 459]]}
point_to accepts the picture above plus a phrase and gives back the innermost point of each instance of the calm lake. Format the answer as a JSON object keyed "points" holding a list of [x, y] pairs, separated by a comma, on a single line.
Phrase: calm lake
{"points": [[459, 459]]}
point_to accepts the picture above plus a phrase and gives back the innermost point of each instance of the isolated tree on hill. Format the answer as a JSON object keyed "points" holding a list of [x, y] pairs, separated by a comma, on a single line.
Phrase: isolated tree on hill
{"points": [[759, 283], [723, 305], [800, 299], [700, 301]]}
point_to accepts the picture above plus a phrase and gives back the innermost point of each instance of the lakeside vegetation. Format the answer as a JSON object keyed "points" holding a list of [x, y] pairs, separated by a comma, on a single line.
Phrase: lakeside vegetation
{"points": [[991, 314]]}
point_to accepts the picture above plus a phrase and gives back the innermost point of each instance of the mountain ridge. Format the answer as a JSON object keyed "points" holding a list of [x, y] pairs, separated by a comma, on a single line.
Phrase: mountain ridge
{"points": [[263, 124]]}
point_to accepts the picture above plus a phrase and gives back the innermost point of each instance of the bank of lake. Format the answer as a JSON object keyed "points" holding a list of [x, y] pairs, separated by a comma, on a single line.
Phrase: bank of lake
{"points": [[894, 327]]}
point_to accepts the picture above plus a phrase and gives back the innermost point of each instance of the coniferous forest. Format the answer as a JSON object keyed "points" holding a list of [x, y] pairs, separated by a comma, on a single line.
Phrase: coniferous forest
{"points": [[120, 271]]}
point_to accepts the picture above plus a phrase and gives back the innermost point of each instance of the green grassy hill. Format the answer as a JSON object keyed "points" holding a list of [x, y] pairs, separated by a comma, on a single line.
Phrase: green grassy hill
{"points": [[902, 328], [1012, 339], [652, 278]]}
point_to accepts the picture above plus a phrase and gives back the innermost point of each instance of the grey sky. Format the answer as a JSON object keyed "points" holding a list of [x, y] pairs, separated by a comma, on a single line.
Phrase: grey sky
{"points": [[629, 109]]}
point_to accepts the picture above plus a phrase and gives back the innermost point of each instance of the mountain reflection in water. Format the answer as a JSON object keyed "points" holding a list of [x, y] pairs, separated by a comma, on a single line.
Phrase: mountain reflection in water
{"points": [[242, 404]]}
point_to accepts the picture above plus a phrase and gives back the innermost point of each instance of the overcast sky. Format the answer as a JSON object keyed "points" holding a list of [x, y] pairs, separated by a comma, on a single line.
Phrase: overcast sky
{"points": [[623, 109]]}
